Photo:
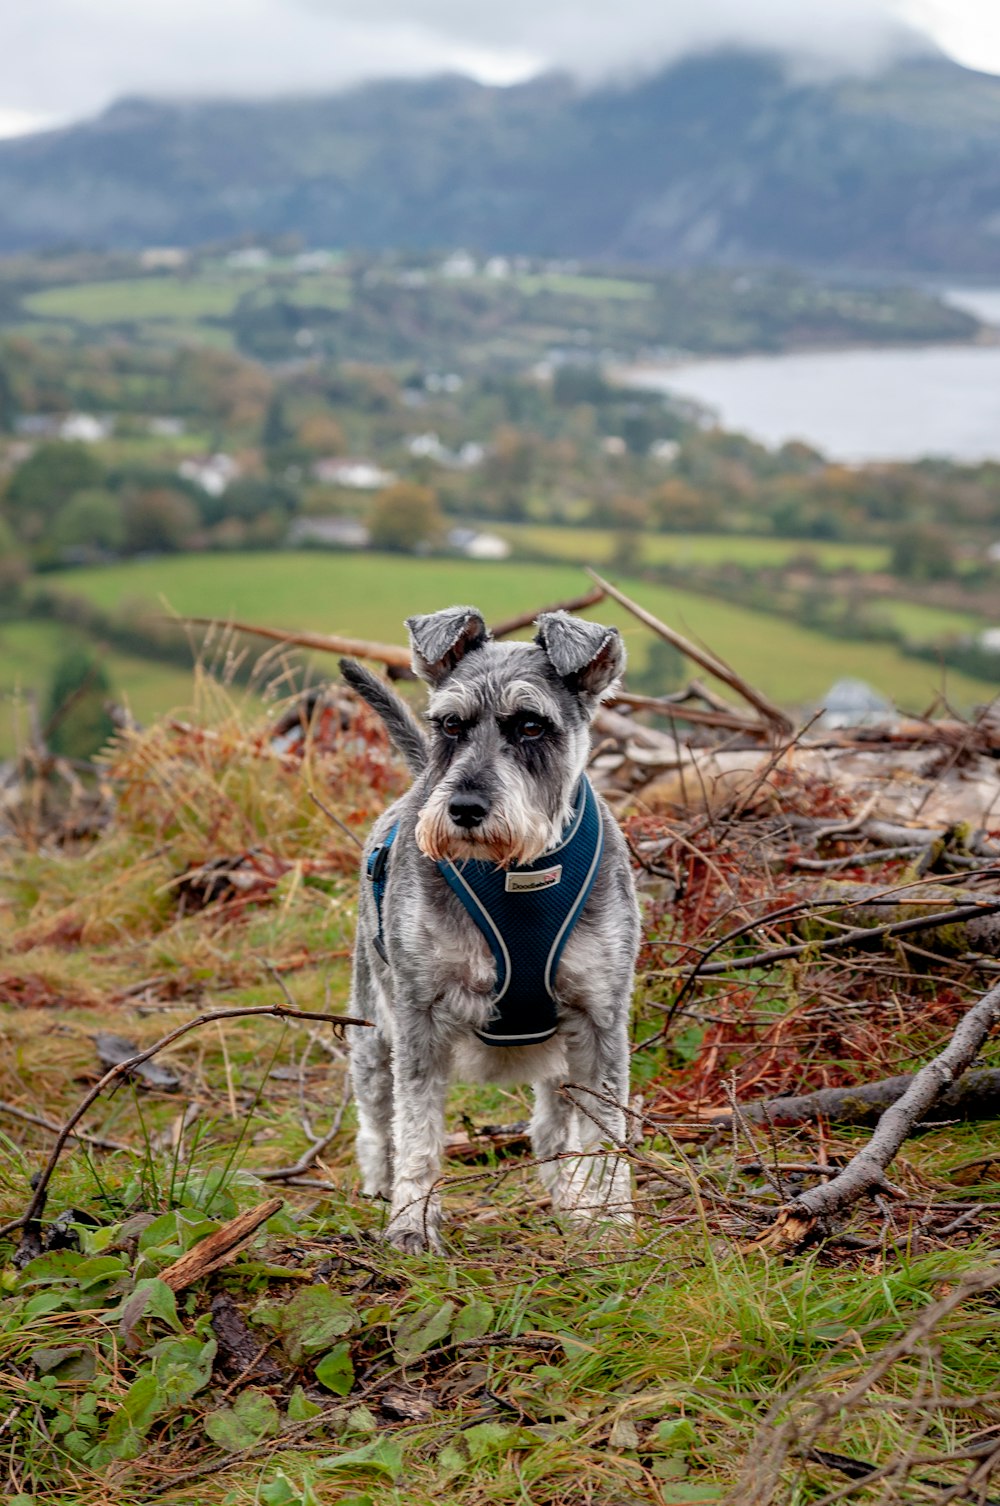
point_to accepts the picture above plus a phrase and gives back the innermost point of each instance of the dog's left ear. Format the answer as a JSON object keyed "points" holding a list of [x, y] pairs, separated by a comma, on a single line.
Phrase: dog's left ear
{"points": [[441, 639], [586, 655]]}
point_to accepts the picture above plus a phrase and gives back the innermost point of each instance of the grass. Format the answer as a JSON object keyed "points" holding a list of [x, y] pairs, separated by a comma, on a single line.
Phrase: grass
{"points": [[924, 622], [573, 285], [131, 300], [369, 595], [651, 1371], [29, 652], [596, 546]]}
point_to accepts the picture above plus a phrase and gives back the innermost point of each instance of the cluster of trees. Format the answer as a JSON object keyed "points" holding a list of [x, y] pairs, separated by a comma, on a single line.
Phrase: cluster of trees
{"points": [[572, 449]]}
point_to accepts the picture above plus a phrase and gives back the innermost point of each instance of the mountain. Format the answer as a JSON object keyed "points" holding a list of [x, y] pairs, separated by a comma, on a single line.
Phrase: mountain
{"points": [[723, 159]]}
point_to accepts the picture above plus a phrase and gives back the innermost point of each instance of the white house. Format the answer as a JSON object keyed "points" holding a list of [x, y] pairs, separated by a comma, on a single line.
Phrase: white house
{"points": [[360, 475], [213, 473]]}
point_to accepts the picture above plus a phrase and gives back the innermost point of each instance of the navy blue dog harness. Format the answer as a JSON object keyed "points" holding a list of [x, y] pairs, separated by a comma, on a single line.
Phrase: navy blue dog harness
{"points": [[526, 915]]}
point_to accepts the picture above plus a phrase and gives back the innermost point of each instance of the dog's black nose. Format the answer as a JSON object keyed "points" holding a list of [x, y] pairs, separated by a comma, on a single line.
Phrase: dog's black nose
{"points": [[468, 810]]}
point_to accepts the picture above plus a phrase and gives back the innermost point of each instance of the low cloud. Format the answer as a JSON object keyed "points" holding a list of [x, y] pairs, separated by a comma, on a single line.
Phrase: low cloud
{"points": [[65, 58]]}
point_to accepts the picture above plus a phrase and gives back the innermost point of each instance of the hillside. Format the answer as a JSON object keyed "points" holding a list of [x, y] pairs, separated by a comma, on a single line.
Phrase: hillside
{"points": [[720, 159]]}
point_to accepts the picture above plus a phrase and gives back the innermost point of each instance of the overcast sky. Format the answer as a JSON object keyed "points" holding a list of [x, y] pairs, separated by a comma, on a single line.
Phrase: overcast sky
{"points": [[62, 59]]}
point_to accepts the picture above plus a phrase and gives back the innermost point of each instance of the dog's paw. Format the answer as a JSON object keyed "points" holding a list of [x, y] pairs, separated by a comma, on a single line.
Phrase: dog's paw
{"points": [[413, 1239]]}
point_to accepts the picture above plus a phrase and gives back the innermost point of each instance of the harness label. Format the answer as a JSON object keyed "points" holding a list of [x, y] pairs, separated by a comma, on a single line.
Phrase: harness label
{"points": [[525, 883]]}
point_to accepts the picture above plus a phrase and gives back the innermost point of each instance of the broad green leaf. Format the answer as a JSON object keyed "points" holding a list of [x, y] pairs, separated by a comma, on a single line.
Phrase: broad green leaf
{"points": [[489, 1439], [252, 1416], [69, 1363], [420, 1331], [300, 1407], [181, 1367], [312, 1321], [361, 1420], [151, 1299], [53, 1266], [335, 1371], [383, 1456], [675, 1433], [472, 1321]]}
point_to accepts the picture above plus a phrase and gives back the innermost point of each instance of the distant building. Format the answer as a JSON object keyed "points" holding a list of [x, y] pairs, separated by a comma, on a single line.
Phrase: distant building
{"points": [[213, 473], [479, 546], [75, 428], [854, 703], [429, 447], [360, 475], [498, 267], [336, 533], [448, 381], [248, 259], [166, 428], [312, 261], [613, 444], [989, 639], [664, 450], [458, 265], [85, 428], [163, 258]]}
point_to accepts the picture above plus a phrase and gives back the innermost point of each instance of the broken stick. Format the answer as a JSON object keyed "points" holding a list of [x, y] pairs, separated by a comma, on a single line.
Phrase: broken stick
{"points": [[771, 713], [865, 1172]]}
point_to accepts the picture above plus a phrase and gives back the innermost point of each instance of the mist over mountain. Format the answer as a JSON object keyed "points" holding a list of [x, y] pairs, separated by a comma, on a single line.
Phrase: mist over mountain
{"points": [[726, 158]]}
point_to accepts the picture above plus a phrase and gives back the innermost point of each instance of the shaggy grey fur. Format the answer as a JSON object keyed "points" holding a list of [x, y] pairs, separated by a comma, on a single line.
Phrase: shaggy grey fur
{"points": [[510, 739]]}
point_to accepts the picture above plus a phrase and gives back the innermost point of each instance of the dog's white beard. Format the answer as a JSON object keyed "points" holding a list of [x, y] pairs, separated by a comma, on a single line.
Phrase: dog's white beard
{"points": [[512, 834]]}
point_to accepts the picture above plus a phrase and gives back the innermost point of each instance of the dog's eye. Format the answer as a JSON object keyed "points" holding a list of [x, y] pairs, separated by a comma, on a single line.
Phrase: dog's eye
{"points": [[528, 729], [451, 725]]}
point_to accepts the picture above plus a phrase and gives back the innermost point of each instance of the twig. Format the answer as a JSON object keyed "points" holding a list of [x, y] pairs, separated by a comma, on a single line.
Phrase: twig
{"points": [[527, 619], [866, 1170], [282, 1173], [717, 667], [335, 818], [49, 1124], [122, 1069]]}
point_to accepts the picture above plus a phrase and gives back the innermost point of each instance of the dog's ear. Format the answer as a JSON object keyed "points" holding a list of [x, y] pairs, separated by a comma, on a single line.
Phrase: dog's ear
{"points": [[588, 656], [441, 639]]}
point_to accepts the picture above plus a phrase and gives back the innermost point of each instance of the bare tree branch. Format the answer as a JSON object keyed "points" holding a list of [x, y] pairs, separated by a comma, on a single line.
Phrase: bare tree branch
{"points": [[865, 1172]]}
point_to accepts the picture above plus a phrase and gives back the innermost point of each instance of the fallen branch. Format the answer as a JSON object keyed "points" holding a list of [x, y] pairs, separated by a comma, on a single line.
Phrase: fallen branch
{"points": [[527, 619], [859, 938], [771, 713], [392, 654], [218, 1249], [54, 1129], [697, 716], [865, 1172], [122, 1069], [976, 1095]]}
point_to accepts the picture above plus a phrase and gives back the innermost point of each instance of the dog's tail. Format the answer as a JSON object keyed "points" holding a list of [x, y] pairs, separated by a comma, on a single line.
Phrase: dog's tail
{"points": [[405, 731]]}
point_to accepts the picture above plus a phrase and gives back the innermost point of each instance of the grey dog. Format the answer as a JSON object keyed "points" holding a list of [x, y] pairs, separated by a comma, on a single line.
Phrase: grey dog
{"points": [[496, 776]]}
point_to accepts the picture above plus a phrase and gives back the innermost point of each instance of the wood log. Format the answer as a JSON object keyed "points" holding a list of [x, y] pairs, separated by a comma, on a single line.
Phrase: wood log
{"points": [[976, 1095]]}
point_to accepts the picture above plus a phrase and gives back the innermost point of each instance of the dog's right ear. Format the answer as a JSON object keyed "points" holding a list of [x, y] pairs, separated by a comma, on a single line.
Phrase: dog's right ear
{"points": [[441, 639]]}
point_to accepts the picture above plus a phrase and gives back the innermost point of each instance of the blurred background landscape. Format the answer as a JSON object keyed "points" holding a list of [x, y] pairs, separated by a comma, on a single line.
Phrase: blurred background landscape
{"points": [[440, 308]]}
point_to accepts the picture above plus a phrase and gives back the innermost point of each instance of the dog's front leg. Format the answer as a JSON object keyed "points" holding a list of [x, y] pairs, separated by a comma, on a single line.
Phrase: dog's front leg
{"points": [[420, 1086], [598, 1184]]}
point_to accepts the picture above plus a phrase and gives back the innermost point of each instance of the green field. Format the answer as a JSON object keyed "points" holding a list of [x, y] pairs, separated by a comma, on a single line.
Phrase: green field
{"points": [[596, 546], [126, 300], [28, 654], [573, 285], [369, 595]]}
